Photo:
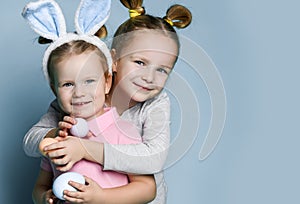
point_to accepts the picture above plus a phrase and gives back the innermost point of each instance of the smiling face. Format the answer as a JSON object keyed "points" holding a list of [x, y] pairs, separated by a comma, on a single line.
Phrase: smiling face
{"points": [[80, 85], [143, 66]]}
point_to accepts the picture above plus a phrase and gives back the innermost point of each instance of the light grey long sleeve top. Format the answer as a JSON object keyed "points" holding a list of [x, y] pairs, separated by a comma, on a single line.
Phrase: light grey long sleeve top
{"points": [[152, 119]]}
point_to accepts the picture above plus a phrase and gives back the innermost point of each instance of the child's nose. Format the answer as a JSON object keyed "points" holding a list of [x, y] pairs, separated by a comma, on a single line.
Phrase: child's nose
{"points": [[78, 91], [149, 75]]}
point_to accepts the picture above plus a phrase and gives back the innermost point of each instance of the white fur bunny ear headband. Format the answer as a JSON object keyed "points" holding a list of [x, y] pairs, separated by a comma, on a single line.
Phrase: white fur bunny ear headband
{"points": [[46, 18]]}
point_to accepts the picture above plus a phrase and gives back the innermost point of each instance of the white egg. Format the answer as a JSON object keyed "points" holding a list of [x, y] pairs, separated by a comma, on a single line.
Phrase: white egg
{"points": [[80, 129], [61, 183]]}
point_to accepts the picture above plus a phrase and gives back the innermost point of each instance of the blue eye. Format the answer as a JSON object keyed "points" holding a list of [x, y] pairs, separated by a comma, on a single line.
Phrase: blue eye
{"points": [[139, 62], [68, 84], [162, 70], [89, 81]]}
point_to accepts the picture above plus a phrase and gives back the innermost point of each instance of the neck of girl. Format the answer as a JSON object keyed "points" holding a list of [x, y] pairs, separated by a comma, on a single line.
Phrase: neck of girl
{"points": [[120, 100]]}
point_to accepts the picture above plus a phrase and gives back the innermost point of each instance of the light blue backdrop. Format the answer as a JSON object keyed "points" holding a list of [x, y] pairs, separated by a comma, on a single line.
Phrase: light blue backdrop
{"points": [[255, 46]]}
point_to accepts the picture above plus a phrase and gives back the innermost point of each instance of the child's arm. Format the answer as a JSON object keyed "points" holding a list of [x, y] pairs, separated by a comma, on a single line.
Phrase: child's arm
{"points": [[141, 189], [42, 192], [149, 156], [46, 127], [70, 149]]}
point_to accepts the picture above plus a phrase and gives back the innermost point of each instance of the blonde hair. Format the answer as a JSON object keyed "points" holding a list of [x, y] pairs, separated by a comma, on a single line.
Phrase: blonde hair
{"points": [[73, 48], [177, 16]]}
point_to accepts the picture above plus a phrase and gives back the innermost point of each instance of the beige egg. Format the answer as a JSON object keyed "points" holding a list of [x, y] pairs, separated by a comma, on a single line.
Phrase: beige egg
{"points": [[45, 142]]}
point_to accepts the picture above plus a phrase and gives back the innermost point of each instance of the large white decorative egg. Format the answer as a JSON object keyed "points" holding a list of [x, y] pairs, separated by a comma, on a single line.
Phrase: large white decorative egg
{"points": [[61, 183]]}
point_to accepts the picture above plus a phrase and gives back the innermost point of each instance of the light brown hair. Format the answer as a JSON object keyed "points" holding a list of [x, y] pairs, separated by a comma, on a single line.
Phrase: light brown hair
{"points": [[179, 16], [73, 48]]}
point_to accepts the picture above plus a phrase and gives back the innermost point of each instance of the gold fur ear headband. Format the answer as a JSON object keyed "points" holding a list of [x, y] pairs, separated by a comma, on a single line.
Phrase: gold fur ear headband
{"points": [[139, 11]]}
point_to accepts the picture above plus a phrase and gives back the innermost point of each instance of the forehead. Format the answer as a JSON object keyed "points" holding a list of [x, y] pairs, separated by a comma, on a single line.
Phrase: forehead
{"points": [[83, 63], [143, 41]]}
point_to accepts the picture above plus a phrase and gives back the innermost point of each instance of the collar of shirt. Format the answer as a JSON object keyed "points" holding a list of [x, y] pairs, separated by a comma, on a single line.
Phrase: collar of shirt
{"points": [[99, 124]]}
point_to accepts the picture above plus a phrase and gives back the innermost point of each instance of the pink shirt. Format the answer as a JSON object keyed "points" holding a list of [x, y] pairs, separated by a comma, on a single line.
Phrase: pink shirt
{"points": [[107, 128]]}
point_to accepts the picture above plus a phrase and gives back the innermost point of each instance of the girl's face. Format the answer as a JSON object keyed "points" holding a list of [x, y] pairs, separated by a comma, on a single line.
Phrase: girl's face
{"points": [[144, 65], [80, 85]]}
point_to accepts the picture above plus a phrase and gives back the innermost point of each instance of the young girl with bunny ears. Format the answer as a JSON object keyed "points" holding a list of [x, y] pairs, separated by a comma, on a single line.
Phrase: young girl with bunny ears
{"points": [[144, 49], [79, 77], [78, 67]]}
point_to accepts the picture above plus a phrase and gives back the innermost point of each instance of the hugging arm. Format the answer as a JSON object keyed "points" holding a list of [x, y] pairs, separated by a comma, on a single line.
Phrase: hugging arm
{"points": [[46, 127], [149, 156], [140, 189], [42, 191]]}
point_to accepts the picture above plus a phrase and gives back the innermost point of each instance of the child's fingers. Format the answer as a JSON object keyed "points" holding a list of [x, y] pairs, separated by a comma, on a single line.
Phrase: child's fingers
{"points": [[64, 125], [66, 167], [57, 154], [60, 161], [73, 196], [54, 146], [62, 133], [50, 201], [88, 180], [61, 137], [69, 120], [80, 187], [50, 197]]}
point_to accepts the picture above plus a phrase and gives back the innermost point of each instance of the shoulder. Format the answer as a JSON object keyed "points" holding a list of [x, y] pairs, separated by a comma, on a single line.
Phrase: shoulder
{"points": [[162, 97], [161, 101], [139, 113]]}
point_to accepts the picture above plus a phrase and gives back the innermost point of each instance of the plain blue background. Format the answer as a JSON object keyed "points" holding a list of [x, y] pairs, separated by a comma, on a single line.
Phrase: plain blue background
{"points": [[255, 46]]}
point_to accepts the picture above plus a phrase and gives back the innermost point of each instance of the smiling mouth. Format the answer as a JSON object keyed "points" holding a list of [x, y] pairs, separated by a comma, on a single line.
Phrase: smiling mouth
{"points": [[80, 103], [143, 87]]}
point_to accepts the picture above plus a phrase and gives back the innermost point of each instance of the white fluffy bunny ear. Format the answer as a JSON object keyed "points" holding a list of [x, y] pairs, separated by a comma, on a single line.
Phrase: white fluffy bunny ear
{"points": [[45, 18], [91, 16]]}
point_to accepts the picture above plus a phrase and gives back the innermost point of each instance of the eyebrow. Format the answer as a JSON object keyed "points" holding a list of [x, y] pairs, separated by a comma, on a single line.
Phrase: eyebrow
{"points": [[147, 61], [167, 67], [138, 56]]}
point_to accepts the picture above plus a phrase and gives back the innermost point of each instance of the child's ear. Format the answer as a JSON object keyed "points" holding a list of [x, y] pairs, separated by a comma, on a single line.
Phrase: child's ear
{"points": [[53, 88], [108, 83], [114, 58]]}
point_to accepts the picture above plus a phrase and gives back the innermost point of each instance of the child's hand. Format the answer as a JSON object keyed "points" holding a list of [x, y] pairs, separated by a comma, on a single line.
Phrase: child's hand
{"points": [[65, 125], [66, 152], [89, 193], [49, 197]]}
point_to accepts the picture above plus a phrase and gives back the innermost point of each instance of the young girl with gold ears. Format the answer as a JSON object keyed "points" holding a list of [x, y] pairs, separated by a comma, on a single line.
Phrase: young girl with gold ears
{"points": [[145, 49]]}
